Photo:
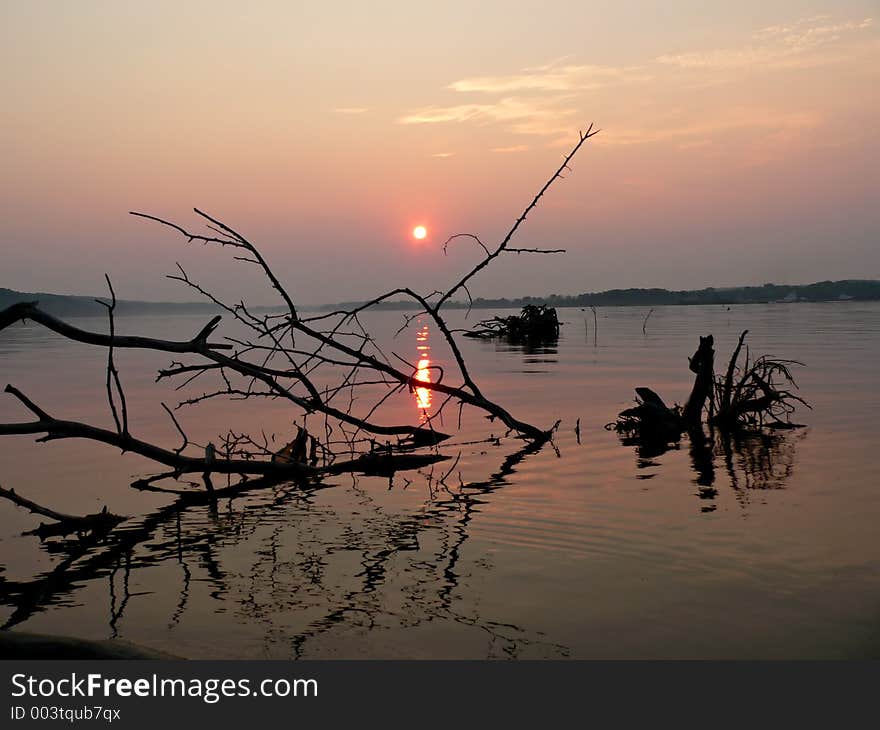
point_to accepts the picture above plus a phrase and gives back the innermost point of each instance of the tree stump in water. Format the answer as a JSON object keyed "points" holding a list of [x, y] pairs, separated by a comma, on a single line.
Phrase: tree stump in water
{"points": [[702, 364], [747, 397]]}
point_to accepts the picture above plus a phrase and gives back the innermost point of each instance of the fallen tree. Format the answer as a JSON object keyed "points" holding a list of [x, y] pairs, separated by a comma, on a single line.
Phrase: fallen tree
{"points": [[291, 357], [320, 365]]}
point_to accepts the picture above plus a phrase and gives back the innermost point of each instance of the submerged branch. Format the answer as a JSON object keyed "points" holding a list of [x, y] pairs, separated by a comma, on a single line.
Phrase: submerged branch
{"points": [[95, 524]]}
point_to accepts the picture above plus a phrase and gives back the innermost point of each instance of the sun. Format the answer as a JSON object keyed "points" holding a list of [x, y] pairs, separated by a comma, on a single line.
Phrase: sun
{"points": [[420, 232]]}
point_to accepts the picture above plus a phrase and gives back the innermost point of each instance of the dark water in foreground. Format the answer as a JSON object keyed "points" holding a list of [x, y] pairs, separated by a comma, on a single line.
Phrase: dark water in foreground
{"points": [[591, 552]]}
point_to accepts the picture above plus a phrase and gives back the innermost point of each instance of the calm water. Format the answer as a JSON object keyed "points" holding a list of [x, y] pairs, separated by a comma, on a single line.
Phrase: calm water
{"points": [[589, 550]]}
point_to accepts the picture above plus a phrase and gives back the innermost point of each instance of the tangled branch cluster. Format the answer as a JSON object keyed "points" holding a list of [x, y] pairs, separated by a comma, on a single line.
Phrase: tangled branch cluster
{"points": [[536, 323], [755, 393]]}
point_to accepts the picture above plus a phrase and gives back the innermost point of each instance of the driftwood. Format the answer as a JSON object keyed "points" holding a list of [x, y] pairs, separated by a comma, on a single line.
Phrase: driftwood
{"points": [[650, 418], [733, 418], [535, 324], [87, 526], [282, 356], [753, 394], [282, 359]]}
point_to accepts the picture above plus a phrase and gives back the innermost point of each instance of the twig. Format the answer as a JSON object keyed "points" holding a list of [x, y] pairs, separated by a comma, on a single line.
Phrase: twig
{"points": [[645, 323], [112, 371]]}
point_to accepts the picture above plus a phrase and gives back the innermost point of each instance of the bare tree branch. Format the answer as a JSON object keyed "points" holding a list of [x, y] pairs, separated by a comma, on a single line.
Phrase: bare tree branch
{"points": [[199, 344], [267, 362], [112, 371]]}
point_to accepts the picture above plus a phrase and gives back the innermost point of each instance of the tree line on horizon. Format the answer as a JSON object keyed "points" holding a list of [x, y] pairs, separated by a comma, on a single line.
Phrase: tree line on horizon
{"points": [[822, 291]]}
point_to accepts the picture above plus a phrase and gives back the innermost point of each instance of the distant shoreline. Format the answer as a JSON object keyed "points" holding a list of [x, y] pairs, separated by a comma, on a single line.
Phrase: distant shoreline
{"points": [[824, 291], [847, 290]]}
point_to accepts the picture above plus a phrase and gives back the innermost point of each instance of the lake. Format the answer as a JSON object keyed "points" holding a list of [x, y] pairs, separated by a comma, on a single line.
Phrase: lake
{"points": [[585, 549]]}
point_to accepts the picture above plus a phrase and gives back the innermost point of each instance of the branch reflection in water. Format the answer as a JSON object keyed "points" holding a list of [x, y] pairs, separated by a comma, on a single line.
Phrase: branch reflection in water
{"points": [[292, 588], [749, 461], [537, 355]]}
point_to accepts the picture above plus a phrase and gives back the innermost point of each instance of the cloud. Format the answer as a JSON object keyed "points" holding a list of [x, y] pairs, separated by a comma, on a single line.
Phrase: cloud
{"points": [[550, 100], [553, 78], [433, 115], [512, 148], [546, 110], [778, 46], [351, 110], [443, 154], [520, 114]]}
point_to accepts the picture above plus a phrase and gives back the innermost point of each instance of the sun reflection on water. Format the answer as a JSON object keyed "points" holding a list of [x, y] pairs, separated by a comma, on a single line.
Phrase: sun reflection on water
{"points": [[423, 373]]}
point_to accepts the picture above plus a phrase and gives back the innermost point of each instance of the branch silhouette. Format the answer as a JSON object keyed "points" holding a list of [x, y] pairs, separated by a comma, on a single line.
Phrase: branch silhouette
{"points": [[315, 364]]}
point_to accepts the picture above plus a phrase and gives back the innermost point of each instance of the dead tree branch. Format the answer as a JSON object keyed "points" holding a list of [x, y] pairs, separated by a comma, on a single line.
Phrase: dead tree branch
{"points": [[96, 524], [285, 356], [113, 380]]}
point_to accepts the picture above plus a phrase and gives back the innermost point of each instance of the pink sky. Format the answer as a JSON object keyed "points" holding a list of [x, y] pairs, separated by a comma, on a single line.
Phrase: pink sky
{"points": [[739, 143]]}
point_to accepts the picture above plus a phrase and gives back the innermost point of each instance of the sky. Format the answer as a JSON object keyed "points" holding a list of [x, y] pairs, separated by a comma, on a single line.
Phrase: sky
{"points": [[739, 143]]}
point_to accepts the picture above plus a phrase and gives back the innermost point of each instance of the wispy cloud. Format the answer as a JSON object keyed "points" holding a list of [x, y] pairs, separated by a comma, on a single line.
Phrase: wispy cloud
{"points": [[433, 114], [443, 154], [535, 101], [778, 46], [549, 100], [521, 115], [553, 78], [351, 110]]}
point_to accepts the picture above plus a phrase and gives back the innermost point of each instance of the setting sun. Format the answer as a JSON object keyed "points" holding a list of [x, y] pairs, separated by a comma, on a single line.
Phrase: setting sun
{"points": [[420, 232]]}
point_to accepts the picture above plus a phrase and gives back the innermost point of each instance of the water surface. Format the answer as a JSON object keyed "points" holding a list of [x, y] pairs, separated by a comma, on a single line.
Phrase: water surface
{"points": [[590, 549]]}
